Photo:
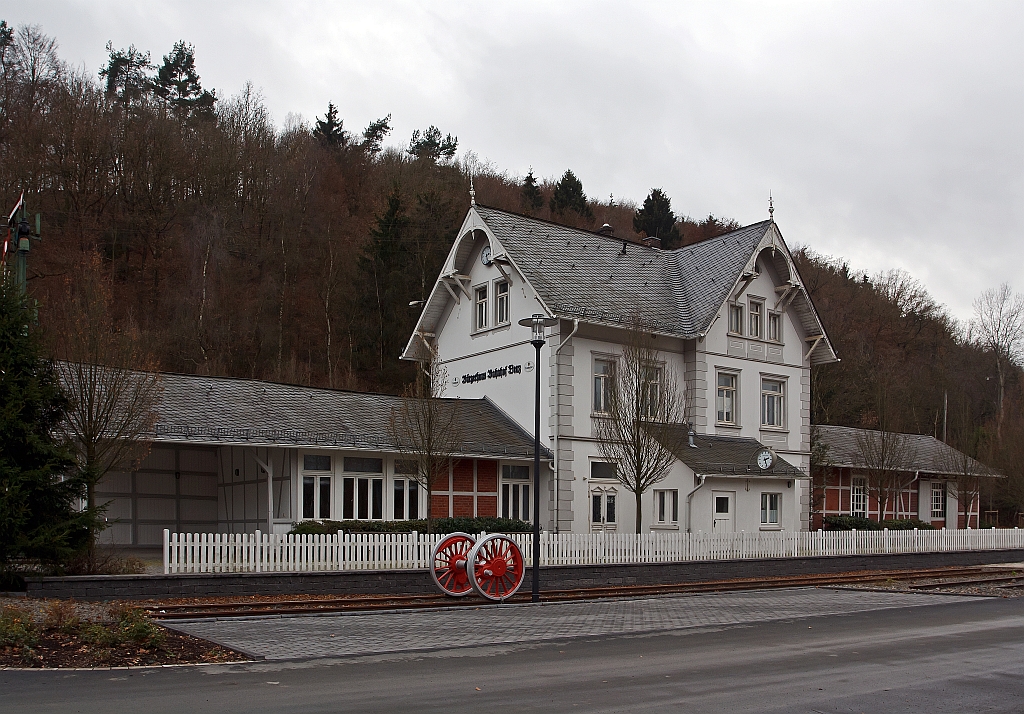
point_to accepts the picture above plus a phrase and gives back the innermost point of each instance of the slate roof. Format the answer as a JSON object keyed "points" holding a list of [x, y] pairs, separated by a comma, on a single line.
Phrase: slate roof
{"points": [[729, 456], [929, 454], [584, 275], [221, 410]]}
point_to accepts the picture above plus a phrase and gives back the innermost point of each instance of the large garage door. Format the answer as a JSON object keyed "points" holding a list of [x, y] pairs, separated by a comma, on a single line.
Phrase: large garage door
{"points": [[175, 487]]}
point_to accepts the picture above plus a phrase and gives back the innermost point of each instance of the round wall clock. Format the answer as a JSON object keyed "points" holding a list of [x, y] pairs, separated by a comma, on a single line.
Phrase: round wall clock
{"points": [[485, 255], [765, 459]]}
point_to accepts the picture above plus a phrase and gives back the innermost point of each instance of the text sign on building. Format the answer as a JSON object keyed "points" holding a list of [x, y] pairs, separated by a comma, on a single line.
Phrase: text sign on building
{"points": [[496, 373]]}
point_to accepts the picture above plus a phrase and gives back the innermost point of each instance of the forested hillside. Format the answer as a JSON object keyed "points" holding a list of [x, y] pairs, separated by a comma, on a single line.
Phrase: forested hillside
{"points": [[234, 246]]}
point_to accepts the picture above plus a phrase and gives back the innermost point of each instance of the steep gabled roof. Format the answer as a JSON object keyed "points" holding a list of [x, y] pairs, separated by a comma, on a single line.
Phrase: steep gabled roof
{"points": [[842, 448], [220, 410], [600, 279]]}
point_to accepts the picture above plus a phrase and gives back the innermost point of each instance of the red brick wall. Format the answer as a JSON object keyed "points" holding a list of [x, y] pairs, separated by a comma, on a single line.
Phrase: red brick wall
{"points": [[463, 506], [487, 476], [462, 475], [472, 490], [439, 505]]}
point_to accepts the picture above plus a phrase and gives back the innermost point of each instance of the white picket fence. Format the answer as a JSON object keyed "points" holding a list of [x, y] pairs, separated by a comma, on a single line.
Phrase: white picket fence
{"points": [[263, 552]]}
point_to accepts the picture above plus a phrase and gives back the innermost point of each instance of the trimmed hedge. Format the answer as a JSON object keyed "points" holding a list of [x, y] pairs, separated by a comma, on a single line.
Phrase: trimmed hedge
{"points": [[850, 523], [440, 525]]}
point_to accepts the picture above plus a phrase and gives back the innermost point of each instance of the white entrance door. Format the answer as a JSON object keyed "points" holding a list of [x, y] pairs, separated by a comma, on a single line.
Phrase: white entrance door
{"points": [[602, 510], [723, 505]]}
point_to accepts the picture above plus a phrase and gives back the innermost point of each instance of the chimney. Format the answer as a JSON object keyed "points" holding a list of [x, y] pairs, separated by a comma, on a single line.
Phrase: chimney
{"points": [[691, 434], [651, 242], [606, 230]]}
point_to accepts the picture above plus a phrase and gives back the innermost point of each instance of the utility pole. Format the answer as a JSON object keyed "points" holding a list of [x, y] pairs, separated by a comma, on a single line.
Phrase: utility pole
{"points": [[18, 240]]}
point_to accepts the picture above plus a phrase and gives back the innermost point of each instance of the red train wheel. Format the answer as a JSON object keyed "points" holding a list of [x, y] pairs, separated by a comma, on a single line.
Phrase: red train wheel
{"points": [[497, 566], [448, 564]]}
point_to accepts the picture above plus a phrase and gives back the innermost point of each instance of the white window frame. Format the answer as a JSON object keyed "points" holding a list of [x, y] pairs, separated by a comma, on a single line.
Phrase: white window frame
{"points": [[607, 385], [736, 318], [774, 318], [756, 320], [859, 493], [501, 302], [766, 508], [515, 499], [666, 507], [652, 381], [719, 397], [480, 315], [779, 397], [938, 492]]}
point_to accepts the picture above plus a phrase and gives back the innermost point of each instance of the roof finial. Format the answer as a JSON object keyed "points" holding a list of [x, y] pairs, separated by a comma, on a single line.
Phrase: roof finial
{"points": [[472, 191], [771, 208]]}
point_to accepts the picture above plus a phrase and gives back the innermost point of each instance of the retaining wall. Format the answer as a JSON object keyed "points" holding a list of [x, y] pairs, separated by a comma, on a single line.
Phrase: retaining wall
{"points": [[559, 577]]}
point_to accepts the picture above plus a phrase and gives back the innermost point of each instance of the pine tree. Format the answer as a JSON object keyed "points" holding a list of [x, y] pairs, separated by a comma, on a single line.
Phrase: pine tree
{"points": [[38, 519], [177, 83], [431, 146], [373, 136], [656, 219], [330, 130], [126, 74], [569, 196], [532, 197]]}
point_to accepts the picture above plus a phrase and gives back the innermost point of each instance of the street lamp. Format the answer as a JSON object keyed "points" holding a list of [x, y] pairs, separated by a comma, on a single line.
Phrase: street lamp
{"points": [[537, 323]]}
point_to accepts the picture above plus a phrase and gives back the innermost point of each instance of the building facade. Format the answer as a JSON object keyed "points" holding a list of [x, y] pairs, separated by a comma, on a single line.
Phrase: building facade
{"points": [[730, 319]]}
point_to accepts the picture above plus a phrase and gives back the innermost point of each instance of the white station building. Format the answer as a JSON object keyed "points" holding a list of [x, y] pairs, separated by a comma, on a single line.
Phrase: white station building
{"points": [[730, 316]]}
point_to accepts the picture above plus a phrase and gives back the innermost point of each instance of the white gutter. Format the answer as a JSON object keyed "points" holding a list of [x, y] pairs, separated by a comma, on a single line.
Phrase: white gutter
{"points": [[558, 413], [689, 499]]}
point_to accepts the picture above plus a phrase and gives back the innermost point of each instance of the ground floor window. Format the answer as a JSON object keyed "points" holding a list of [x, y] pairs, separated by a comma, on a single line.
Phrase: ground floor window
{"points": [[316, 497], [770, 508], [666, 506], [362, 498], [515, 501], [938, 499], [406, 499], [859, 498]]}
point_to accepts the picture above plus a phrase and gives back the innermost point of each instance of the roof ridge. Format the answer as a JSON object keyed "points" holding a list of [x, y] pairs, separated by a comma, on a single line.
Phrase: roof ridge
{"points": [[571, 228]]}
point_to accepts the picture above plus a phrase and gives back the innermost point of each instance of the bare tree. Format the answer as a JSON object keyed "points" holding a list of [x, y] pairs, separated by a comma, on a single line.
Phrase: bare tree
{"points": [[426, 428], [998, 326], [646, 406], [962, 462], [110, 381], [887, 456]]}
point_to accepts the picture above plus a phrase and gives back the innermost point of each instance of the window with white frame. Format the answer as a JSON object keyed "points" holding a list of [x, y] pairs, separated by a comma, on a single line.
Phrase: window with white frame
{"points": [[602, 470], [604, 383], [480, 302], [859, 498], [938, 499], [362, 495], [650, 396], [736, 319], [666, 507], [770, 503], [774, 327], [316, 486], [405, 498], [772, 402], [515, 501], [501, 315], [727, 397], [756, 318]]}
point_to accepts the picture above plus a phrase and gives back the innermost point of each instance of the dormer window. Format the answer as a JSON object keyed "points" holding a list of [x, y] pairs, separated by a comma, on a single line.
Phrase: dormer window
{"points": [[736, 319], [480, 302]]}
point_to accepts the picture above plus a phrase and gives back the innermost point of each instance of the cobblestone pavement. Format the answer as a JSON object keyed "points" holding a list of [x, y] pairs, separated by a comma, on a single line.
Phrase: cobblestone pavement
{"points": [[284, 638]]}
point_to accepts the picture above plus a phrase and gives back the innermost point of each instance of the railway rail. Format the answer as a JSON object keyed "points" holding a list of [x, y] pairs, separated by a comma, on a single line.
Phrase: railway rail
{"points": [[919, 579]]}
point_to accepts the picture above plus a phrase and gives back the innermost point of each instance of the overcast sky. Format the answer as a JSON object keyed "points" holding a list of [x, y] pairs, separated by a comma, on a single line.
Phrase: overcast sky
{"points": [[889, 133]]}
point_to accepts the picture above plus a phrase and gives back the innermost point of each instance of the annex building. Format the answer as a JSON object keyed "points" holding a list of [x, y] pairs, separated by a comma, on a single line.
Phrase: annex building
{"points": [[731, 320]]}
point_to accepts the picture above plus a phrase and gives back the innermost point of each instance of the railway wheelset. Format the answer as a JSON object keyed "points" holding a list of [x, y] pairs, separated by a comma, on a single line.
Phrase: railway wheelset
{"points": [[492, 566]]}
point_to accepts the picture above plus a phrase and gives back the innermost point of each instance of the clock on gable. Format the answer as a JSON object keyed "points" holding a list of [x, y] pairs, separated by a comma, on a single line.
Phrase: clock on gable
{"points": [[485, 255]]}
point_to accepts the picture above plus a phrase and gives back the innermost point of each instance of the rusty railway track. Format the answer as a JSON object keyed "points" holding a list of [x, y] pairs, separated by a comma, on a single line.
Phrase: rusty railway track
{"points": [[369, 603]]}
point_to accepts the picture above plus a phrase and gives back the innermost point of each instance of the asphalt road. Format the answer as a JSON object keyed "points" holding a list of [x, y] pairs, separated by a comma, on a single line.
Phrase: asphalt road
{"points": [[964, 656]]}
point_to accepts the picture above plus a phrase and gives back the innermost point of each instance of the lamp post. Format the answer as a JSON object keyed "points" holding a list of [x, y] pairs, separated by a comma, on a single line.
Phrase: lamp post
{"points": [[537, 323]]}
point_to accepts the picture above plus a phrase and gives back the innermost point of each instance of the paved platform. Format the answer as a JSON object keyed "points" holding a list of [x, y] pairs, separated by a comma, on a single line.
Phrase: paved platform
{"points": [[348, 635]]}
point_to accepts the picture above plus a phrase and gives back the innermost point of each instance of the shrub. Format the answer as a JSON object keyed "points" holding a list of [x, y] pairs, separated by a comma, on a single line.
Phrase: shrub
{"points": [[16, 628], [907, 524], [61, 615], [441, 525], [133, 626], [849, 523]]}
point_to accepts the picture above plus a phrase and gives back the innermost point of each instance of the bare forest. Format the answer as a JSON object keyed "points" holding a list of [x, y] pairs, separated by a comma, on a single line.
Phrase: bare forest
{"points": [[230, 244]]}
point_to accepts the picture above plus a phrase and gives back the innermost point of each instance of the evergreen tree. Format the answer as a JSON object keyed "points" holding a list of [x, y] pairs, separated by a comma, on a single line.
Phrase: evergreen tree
{"points": [[177, 83], [126, 74], [373, 136], [656, 219], [532, 197], [569, 196], [330, 130], [430, 146], [38, 519]]}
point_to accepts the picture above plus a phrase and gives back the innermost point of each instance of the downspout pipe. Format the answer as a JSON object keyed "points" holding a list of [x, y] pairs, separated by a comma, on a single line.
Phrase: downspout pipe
{"points": [[558, 412], [689, 501]]}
